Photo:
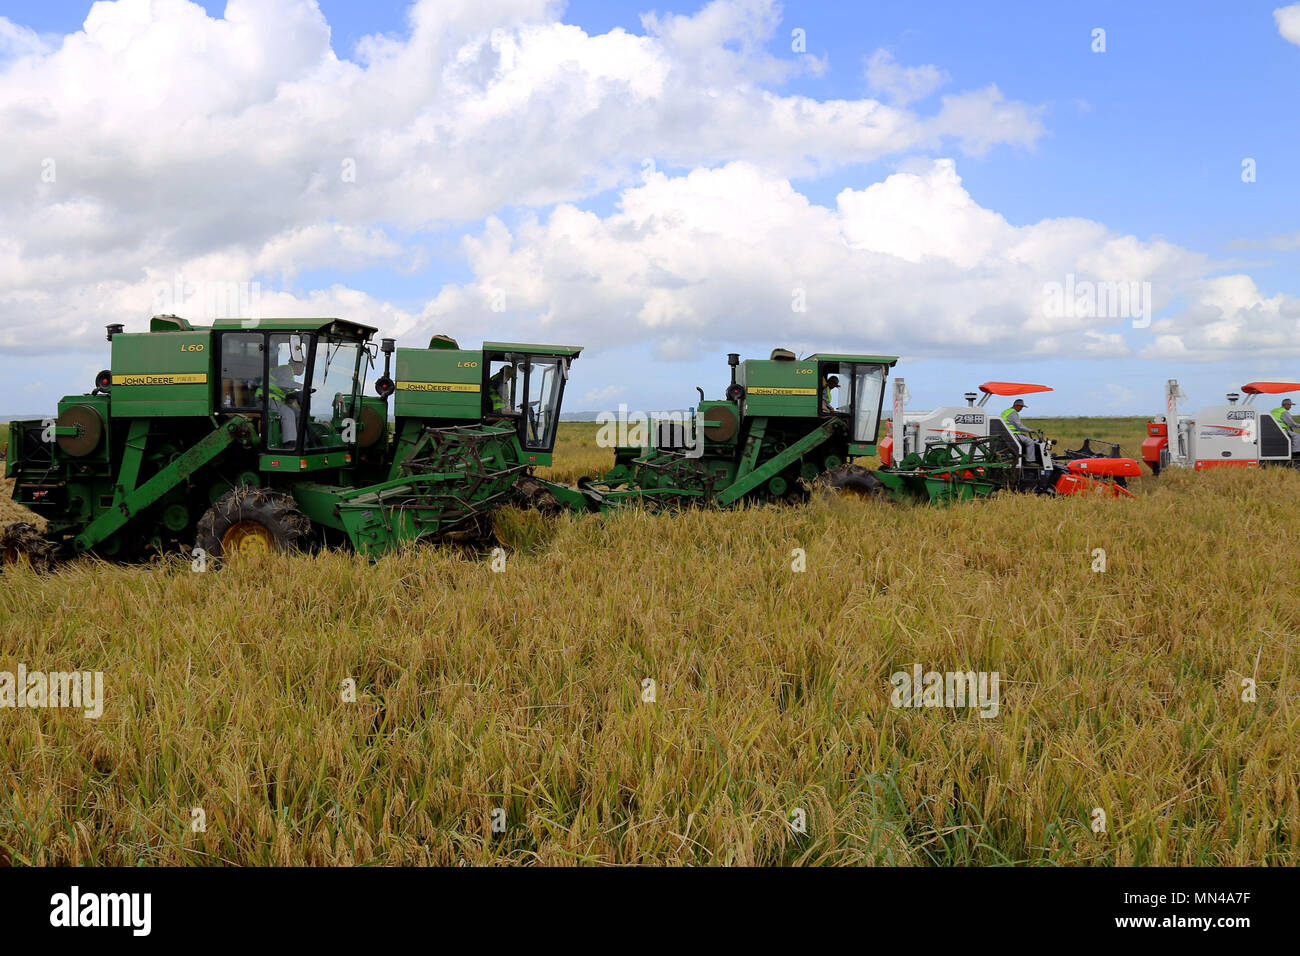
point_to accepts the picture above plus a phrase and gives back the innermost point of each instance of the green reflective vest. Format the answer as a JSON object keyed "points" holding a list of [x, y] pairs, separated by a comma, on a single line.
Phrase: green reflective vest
{"points": [[1006, 420], [1277, 413], [279, 394]]}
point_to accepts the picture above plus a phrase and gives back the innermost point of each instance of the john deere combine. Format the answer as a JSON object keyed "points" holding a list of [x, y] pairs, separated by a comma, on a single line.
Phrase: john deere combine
{"points": [[253, 435], [782, 424]]}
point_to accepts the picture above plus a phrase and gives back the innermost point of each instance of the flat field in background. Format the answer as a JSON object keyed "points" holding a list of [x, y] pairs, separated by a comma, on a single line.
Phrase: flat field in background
{"points": [[518, 695]]}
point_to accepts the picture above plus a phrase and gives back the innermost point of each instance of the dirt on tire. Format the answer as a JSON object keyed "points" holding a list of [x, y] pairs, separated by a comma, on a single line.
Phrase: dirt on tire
{"points": [[275, 511], [21, 540], [853, 479]]}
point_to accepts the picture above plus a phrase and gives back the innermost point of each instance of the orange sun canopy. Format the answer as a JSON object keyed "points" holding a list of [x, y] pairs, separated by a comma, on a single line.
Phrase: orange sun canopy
{"points": [[1269, 388], [1013, 388]]}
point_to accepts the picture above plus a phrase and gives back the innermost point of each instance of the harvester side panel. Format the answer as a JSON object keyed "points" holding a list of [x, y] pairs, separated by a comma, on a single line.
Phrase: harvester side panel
{"points": [[439, 384], [162, 374], [779, 389]]}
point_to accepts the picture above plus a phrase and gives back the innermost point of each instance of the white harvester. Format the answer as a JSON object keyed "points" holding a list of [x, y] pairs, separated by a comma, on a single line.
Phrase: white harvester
{"points": [[1036, 467], [1236, 435]]}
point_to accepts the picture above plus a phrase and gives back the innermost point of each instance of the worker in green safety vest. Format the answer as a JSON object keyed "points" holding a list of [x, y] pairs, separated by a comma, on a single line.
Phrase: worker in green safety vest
{"points": [[284, 391], [500, 386], [829, 385], [1011, 417], [1288, 423]]}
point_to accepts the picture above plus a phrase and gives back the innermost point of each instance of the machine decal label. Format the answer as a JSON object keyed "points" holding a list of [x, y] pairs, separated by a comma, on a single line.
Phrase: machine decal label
{"points": [[968, 420], [162, 378], [1240, 416], [437, 386], [757, 390]]}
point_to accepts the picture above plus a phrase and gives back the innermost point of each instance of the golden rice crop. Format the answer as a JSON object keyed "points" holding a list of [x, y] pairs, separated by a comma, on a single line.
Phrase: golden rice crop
{"points": [[518, 698]]}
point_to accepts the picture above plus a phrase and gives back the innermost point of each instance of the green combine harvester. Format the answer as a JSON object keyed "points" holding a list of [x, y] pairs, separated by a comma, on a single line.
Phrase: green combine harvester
{"points": [[783, 425], [253, 435]]}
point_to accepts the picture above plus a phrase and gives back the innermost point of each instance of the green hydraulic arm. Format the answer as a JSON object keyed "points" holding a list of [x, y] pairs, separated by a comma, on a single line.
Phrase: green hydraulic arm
{"points": [[752, 477], [130, 500]]}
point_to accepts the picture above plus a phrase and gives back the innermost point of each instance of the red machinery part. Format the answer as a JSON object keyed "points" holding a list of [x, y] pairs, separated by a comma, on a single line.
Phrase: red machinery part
{"points": [[1106, 467], [1075, 484], [1157, 440], [1204, 463], [885, 449]]}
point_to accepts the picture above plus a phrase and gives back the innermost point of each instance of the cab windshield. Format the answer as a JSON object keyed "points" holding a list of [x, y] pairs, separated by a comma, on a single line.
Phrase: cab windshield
{"points": [[868, 390], [544, 378], [854, 391], [334, 390], [528, 388]]}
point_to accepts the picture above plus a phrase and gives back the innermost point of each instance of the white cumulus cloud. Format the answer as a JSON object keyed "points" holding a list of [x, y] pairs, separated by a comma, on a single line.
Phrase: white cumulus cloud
{"points": [[160, 140], [1288, 22], [902, 84], [735, 253]]}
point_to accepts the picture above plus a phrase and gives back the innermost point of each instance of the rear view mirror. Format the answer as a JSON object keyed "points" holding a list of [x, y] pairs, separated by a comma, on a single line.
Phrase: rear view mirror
{"points": [[295, 348]]}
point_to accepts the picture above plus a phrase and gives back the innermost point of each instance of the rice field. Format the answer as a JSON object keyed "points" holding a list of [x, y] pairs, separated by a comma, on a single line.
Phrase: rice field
{"points": [[669, 689]]}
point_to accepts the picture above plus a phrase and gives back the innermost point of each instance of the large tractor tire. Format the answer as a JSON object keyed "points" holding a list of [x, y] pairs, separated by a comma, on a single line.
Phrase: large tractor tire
{"points": [[854, 479], [23, 540], [253, 521]]}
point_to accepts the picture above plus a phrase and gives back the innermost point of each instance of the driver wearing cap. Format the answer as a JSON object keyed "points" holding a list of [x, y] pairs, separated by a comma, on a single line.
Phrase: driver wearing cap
{"points": [[1018, 428], [1288, 423], [829, 384]]}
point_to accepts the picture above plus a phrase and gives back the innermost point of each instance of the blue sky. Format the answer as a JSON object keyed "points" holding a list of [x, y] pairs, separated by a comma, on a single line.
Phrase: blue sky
{"points": [[1146, 139]]}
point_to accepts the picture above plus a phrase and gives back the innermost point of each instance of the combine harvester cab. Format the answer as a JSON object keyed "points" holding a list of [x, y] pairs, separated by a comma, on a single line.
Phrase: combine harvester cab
{"points": [[468, 427], [1235, 435], [252, 435], [964, 451], [782, 423]]}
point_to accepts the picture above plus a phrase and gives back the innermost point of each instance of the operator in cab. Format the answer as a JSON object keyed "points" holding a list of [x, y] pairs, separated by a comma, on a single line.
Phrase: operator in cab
{"points": [[831, 383], [1019, 429], [285, 397], [1288, 422], [500, 389]]}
